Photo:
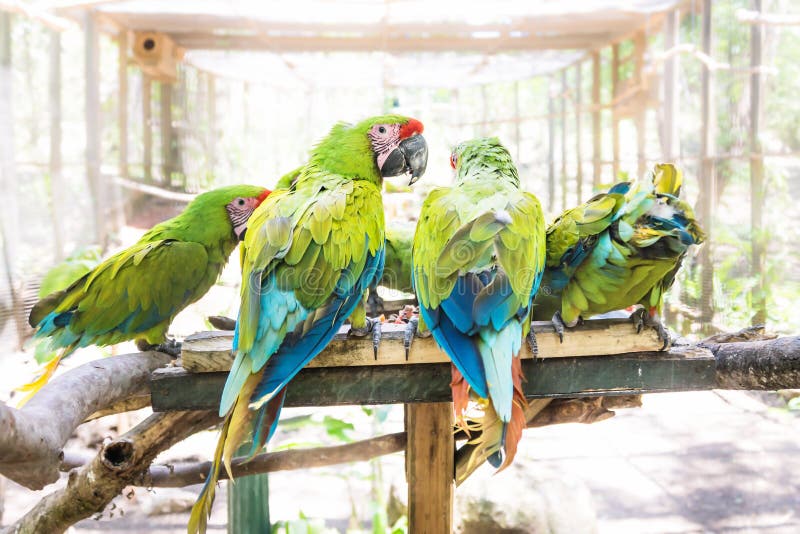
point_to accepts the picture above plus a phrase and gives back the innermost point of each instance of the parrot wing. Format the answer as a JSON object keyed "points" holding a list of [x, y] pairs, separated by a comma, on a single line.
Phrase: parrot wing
{"points": [[133, 293]]}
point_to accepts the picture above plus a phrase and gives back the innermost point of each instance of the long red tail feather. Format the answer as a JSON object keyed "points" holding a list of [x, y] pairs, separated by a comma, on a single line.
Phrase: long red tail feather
{"points": [[460, 389], [518, 422]]}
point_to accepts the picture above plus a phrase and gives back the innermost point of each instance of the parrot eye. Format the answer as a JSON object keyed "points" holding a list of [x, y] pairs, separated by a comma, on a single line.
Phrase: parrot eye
{"points": [[382, 129], [240, 202]]}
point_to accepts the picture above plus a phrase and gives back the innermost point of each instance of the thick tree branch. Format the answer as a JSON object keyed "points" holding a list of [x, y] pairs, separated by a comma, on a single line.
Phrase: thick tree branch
{"points": [[119, 463], [765, 365], [32, 438], [179, 475]]}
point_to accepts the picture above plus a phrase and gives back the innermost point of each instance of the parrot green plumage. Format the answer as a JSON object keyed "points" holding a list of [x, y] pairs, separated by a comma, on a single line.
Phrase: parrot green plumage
{"points": [[478, 258], [397, 271], [619, 249], [135, 294], [288, 180], [310, 254]]}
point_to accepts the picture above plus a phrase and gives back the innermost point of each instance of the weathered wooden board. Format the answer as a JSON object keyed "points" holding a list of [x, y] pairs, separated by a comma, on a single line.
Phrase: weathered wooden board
{"points": [[207, 352], [176, 389]]}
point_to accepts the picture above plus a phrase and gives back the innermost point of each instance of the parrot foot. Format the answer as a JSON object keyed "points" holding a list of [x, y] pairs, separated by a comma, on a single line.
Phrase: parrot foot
{"points": [[638, 319], [374, 302], [170, 346], [373, 326], [558, 325], [412, 330], [642, 318], [533, 345]]}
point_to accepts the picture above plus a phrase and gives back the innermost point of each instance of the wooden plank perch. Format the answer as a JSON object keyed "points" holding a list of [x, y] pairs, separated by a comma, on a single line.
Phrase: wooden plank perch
{"points": [[691, 368], [211, 351]]}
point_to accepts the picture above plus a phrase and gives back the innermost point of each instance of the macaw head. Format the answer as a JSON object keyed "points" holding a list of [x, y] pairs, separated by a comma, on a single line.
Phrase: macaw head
{"points": [[375, 148], [483, 157], [667, 179], [233, 204]]}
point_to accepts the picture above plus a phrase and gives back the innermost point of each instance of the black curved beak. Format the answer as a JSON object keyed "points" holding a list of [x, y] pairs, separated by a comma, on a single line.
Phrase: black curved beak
{"points": [[410, 156]]}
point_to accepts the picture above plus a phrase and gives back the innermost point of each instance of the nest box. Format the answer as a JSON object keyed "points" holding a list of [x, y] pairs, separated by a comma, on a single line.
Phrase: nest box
{"points": [[157, 55]]}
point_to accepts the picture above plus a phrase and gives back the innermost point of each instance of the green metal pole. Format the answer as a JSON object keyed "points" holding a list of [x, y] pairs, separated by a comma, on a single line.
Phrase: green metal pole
{"points": [[248, 503]]}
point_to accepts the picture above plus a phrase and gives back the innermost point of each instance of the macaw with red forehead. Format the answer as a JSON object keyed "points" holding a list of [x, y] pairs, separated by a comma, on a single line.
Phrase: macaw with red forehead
{"points": [[136, 293], [310, 254]]}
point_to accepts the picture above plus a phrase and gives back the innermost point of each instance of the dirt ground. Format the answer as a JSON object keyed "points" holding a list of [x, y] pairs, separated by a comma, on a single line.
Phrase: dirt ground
{"points": [[683, 463]]}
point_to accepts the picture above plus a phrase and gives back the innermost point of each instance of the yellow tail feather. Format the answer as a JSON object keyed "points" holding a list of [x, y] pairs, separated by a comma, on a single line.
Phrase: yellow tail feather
{"points": [[33, 387], [240, 420], [201, 511], [230, 437]]}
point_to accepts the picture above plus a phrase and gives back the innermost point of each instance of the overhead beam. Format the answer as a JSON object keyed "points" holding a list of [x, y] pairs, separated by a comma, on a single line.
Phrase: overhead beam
{"points": [[575, 24], [394, 44]]}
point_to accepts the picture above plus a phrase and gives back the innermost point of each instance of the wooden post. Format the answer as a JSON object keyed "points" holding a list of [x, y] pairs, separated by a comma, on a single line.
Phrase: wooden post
{"points": [[597, 141], [563, 139], [122, 45], [516, 120], [670, 142], [669, 135], [551, 148], [147, 127], [430, 454], [57, 190], [757, 262], [484, 111], [167, 162], [248, 502], [614, 118], [211, 94], [93, 128], [9, 182], [707, 185], [578, 151], [640, 44]]}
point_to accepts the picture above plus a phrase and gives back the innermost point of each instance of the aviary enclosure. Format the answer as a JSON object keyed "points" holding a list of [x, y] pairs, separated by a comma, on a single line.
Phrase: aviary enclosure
{"points": [[115, 114]]}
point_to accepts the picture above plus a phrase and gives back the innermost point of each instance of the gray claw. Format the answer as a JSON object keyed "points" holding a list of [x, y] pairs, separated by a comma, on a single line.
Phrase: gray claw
{"points": [[558, 325], [638, 317], [170, 346], [534, 346], [376, 336], [662, 332], [409, 333]]}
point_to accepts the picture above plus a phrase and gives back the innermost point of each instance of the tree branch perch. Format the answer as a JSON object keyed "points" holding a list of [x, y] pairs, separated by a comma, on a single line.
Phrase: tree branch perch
{"points": [[32, 438]]}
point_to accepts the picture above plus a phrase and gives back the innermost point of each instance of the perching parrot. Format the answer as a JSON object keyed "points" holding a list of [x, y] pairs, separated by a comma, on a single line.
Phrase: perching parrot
{"points": [[310, 254], [396, 275], [619, 249], [136, 293], [397, 272], [478, 258]]}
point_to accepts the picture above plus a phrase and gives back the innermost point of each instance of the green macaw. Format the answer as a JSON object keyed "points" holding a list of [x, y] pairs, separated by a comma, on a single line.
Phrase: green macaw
{"points": [[478, 259], [397, 269], [619, 249], [288, 180], [136, 293], [397, 274], [310, 254]]}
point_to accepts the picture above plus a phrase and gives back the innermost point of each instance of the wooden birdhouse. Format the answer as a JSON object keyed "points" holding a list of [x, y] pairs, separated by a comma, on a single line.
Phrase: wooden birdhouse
{"points": [[157, 55]]}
